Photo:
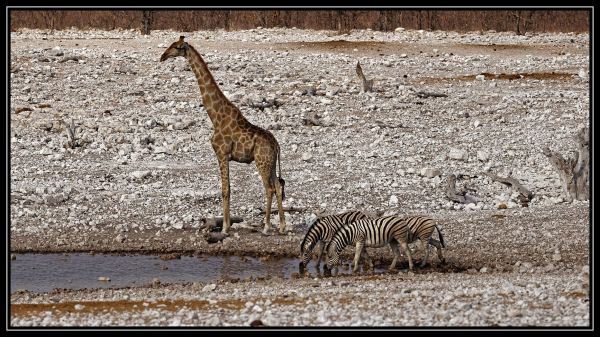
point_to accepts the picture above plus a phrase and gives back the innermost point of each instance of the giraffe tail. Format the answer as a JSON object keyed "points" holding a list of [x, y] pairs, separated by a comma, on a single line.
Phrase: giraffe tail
{"points": [[281, 181]]}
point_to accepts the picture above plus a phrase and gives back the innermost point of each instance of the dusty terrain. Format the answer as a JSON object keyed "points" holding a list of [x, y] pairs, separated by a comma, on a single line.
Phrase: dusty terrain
{"points": [[143, 174]]}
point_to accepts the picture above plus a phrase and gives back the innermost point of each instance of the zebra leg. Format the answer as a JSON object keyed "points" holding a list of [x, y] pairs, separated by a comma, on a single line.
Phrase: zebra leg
{"points": [[367, 259], [408, 255], [321, 249], [396, 251], [425, 249], [359, 248], [438, 246]]}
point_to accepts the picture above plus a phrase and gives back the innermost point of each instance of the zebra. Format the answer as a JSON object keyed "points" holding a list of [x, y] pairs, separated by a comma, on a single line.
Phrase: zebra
{"points": [[321, 231], [392, 230], [421, 228]]}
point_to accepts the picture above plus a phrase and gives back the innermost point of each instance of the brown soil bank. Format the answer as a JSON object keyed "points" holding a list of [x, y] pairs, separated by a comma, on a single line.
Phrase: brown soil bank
{"points": [[382, 20]]}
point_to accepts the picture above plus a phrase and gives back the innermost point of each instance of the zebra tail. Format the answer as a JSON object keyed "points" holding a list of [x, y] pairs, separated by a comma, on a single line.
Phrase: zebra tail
{"points": [[441, 236]]}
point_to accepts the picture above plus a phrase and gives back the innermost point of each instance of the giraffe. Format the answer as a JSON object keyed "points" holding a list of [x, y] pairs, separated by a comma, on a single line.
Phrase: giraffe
{"points": [[234, 137]]}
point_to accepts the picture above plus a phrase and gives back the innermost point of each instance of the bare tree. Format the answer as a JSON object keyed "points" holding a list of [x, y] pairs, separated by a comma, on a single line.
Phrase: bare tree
{"points": [[147, 18], [573, 172], [48, 17], [520, 16]]}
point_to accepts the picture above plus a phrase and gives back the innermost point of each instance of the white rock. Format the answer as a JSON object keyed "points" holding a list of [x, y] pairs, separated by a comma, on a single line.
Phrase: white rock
{"points": [[209, 287], [556, 257], [306, 156], [483, 156], [46, 151], [140, 174], [79, 306], [457, 154], [430, 172], [399, 29], [480, 77], [393, 200]]}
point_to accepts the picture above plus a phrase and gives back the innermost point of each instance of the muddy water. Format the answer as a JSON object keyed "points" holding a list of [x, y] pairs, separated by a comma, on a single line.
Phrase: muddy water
{"points": [[45, 272]]}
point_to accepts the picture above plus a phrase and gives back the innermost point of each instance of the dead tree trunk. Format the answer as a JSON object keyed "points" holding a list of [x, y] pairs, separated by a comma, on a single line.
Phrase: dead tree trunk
{"points": [[71, 135], [517, 15], [367, 84], [573, 172], [451, 193], [146, 22]]}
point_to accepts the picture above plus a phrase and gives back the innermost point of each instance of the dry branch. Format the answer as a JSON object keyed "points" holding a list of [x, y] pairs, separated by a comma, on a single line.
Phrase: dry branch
{"points": [[69, 58], [367, 84], [512, 182], [72, 140], [285, 209], [21, 109], [423, 94], [217, 222], [573, 172]]}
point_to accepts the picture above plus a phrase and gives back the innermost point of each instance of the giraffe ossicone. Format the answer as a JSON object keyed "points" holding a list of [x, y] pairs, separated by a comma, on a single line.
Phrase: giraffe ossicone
{"points": [[234, 137]]}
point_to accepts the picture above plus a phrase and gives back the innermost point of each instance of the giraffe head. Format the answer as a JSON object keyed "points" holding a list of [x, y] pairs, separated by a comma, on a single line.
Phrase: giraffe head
{"points": [[178, 48]]}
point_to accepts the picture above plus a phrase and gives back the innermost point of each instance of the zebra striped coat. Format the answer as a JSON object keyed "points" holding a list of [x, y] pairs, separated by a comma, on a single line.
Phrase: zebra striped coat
{"points": [[392, 230], [321, 231], [421, 228]]}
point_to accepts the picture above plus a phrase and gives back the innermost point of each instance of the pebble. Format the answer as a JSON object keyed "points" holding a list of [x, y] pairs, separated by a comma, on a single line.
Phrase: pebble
{"points": [[209, 287]]}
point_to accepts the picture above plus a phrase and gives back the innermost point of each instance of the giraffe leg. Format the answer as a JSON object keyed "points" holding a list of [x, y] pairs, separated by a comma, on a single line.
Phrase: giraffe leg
{"points": [[269, 197], [278, 191], [224, 167]]}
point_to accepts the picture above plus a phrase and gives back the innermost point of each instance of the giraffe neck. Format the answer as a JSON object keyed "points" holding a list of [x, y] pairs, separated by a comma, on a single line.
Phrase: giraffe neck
{"points": [[213, 98]]}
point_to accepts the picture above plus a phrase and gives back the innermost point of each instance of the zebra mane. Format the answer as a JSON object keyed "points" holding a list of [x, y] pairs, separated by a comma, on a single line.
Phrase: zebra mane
{"points": [[310, 226]]}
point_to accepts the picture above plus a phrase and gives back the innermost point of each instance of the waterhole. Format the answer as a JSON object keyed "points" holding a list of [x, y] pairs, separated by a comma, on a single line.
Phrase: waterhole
{"points": [[45, 272]]}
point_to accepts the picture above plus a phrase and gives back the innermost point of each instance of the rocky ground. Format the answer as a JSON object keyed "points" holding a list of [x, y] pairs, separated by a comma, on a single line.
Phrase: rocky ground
{"points": [[143, 175]]}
